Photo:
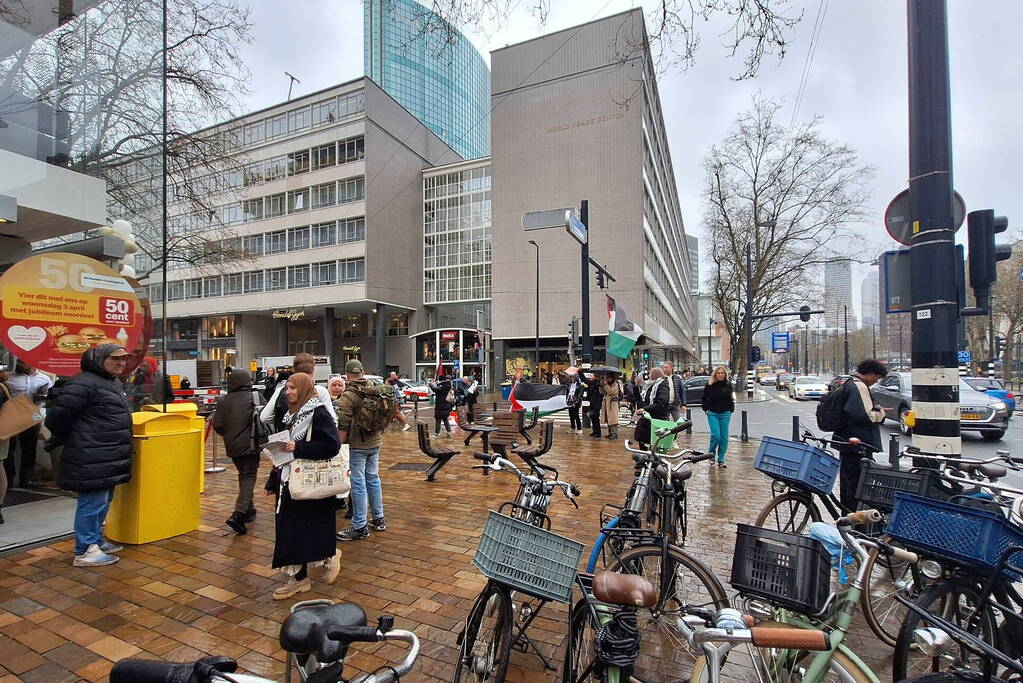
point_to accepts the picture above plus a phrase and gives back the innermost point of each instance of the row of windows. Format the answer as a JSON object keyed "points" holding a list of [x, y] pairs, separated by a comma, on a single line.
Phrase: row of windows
{"points": [[464, 283], [457, 248], [458, 213], [459, 182], [656, 310], [267, 280], [271, 206], [320, 113]]}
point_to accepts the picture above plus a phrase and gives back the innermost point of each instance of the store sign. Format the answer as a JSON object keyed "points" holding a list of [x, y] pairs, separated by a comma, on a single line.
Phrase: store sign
{"points": [[291, 314], [449, 336], [351, 349], [54, 307]]}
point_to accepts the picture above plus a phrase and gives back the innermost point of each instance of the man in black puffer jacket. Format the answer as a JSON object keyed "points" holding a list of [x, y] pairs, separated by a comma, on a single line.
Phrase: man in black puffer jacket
{"points": [[91, 418], [233, 421]]}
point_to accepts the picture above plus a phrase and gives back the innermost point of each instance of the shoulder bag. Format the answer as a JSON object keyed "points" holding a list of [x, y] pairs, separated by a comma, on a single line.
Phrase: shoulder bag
{"points": [[318, 479], [17, 414]]}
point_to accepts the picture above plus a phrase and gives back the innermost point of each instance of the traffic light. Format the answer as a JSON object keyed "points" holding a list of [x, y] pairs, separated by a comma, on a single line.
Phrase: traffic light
{"points": [[646, 355], [804, 313], [984, 254], [999, 346], [757, 355], [601, 280]]}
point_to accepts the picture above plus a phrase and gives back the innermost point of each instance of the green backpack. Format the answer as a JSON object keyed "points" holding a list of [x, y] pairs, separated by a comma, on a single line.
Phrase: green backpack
{"points": [[376, 408]]}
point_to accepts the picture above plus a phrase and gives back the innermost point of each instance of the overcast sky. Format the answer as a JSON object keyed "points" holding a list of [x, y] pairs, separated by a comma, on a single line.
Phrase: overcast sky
{"points": [[856, 83]]}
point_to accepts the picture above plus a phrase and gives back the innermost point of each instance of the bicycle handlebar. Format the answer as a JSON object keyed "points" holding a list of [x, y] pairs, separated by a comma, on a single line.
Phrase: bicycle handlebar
{"points": [[790, 638], [858, 443], [688, 453], [1002, 457], [496, 463]]}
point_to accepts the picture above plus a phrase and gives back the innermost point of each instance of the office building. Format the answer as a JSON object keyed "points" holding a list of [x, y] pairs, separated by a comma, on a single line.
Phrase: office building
{"points": [[838, 294], [431, 69], [561, 134], [693, 247], [325, 218], [869, 297]]}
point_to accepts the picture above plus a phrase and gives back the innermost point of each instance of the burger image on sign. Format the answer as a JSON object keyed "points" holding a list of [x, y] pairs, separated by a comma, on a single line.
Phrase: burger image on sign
{"points": [[73, 344]]}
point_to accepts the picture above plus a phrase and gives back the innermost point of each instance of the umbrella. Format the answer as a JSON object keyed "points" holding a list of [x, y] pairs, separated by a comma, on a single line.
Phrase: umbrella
{"points": [[605, 369]]}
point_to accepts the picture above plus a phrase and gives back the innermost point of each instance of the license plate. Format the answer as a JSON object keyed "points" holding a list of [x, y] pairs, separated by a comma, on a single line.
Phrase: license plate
{"points": [[969, 416]]}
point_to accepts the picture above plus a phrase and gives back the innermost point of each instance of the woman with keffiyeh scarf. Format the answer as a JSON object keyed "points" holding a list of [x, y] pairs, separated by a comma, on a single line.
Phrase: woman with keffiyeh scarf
{"points": [[305, 529]]}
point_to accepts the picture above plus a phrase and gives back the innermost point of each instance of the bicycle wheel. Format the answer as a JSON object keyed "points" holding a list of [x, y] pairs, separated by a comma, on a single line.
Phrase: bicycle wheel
{"points": [[790, 512], [580, 655], [955, 601], [886, 578], [486, 640], [782, 666], [665, 655]]}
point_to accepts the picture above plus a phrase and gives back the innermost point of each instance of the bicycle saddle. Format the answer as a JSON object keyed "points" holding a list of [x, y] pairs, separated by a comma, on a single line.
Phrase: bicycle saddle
{"points": [[627, 590], [305, 630], [989, 470]]}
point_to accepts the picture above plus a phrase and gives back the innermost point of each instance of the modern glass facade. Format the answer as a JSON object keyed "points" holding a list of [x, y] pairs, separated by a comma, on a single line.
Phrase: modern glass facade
{"points": [[432, 70], [457, 229]]}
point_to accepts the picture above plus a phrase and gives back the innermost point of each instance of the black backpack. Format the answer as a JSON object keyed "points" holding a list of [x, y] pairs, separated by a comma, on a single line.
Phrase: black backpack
{"points": [[259, 430], [830, 414]]}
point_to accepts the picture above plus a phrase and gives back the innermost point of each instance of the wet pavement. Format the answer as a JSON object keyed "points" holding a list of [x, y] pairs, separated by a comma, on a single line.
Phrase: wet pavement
{"points": [[207, 592]]}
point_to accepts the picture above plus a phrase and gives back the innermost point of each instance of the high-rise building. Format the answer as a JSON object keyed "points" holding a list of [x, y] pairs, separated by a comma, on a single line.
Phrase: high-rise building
{"points": [[431, 69], [869, 297], [838, 293], [560, 135], [693, 245]]}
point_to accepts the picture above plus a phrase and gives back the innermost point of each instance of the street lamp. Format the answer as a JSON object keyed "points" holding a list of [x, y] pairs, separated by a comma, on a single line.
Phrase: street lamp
{"points": [[749, 305], [710, 344], [536, 318], [846, 342]]}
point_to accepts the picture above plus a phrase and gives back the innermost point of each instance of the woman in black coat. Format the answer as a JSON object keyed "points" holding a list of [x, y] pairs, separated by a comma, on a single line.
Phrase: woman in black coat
{"points": [[654, 402], [90, 416], [442, 406], [305, 529]]}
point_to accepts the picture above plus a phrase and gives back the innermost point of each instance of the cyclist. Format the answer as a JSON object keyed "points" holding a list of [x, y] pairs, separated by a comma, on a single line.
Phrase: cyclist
{"points": [[861, 419]]}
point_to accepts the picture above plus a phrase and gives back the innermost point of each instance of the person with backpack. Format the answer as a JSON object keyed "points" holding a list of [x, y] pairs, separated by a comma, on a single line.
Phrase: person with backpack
{"points": [[718, 403], [849, 411], [444, 401], [237, 421], [363, 412]]}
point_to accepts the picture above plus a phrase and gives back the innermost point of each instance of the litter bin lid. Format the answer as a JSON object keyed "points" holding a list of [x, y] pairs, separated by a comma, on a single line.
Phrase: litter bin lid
{"points": [[189, 409], [150, 423]]}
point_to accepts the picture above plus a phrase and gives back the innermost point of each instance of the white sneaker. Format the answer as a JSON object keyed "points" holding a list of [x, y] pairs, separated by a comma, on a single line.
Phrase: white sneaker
{"points": [[406, 427], [94, 557]]}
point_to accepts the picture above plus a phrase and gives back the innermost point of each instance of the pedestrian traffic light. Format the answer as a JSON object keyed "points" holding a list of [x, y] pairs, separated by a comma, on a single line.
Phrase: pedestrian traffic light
{"points": [[601, 280], [999, 346], [646, 355], [804, 313], [757, 355], [984, 254]]}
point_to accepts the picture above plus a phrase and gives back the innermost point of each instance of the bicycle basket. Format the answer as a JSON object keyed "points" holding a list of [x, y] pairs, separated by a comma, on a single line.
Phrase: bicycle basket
{"points": [[797, 463], [527, 558], [786, 570], [879, 484], [961, 534]]}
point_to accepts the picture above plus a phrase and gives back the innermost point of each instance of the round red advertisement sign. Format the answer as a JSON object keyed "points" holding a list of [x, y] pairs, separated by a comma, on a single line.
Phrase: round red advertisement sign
{"points": [[57, 306]]}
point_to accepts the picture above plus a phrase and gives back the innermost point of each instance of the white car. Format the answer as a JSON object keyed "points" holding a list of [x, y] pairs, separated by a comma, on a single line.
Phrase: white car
{"points": [[808, 387]]}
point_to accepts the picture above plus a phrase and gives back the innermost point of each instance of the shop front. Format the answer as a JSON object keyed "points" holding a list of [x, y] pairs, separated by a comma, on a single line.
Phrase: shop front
{"points": [[455, 351]]}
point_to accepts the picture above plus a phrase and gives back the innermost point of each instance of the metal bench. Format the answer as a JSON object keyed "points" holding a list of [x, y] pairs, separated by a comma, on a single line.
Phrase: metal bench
{"points": [[441, 454]]}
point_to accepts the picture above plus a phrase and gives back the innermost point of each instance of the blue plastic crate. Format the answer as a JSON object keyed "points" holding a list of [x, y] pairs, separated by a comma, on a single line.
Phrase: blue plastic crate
{"points": [[964, 535], [797, 463]]}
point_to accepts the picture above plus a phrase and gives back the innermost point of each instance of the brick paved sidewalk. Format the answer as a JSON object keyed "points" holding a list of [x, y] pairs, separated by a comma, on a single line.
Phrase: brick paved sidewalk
{"points": [[209, 593]]}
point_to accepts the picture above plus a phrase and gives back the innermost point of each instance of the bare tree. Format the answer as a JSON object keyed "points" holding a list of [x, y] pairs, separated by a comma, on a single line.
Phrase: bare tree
{"points": [[804, 191], [101, 73], [1007, 305], [756, 29]]}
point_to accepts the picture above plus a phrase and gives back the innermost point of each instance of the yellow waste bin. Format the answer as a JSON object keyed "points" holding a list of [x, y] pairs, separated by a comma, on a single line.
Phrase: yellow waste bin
{"points": [[162, 498], [191, 411]]}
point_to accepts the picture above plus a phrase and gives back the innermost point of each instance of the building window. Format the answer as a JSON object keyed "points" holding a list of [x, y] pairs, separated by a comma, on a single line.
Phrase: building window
{"points": [[252, 210], [324, 234], [350, 150], [324, 195], [252, 174], [352, 230], [211, 286], [276, 242], [351, 190], [233, 283], [325, 112], [276, 279], [155, 292], [324, 273], [351, 326], [253, 281], [298, 200], [255, 133], [253, 244], [222, 326], [298, 239], [298, 162], [193, 288], [298, 276], [298, 120], [175, 290], [231, 214], [351, 103], [324, 156], [397, 325], [276, 126], [352, 270], [274, 205]]}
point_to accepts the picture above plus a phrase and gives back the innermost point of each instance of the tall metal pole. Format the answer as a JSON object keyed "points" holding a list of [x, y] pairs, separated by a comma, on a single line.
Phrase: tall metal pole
{"points": [[164, 382], [536, 316], [584, 218], [932, 247], [845, 355], [748, 334], [806, 353], [873, 340], [710, 341]]}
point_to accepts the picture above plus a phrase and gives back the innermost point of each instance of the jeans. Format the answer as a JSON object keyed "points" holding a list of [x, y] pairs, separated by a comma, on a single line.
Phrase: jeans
{"points": [[365, 466], [718, 433], [90, 514]]}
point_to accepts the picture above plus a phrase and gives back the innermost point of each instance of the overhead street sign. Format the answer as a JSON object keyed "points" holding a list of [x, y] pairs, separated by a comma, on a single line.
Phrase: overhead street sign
{"points": [[575, 227], [541, 220], [780, 342], [899, 223]]}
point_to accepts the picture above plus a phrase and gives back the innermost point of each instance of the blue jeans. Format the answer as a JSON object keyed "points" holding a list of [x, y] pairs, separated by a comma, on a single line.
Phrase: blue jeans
{"points": [[718, 433], [365, 466], [90, 513]]}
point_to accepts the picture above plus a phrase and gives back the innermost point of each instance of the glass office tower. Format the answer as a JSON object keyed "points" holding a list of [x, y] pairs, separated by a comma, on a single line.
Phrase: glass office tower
{"points": [[432, 70]]}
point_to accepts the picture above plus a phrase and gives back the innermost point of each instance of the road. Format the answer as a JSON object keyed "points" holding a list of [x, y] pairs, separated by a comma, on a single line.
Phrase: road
{"points": [[774, 418]]}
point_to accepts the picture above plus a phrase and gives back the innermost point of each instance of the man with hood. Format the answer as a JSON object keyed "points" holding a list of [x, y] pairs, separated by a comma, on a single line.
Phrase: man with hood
{"points": [[91, 417], [233, 421]]}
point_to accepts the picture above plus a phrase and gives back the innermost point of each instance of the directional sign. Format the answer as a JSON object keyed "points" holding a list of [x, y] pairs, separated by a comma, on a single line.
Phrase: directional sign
{"points": [[575, 227], [541, 220], [780, 342]]}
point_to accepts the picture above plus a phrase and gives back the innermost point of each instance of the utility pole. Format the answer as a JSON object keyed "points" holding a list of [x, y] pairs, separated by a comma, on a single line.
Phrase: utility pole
{"points": [[935, 302], [873, 341], [710, 342], [806, 352], [536, 317], [748, 334], [584, 218], [845, 343]]}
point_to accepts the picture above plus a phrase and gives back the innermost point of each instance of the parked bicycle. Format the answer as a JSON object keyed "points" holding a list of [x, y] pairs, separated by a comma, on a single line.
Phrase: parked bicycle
{"points": [[519, 555], [316, 635]]}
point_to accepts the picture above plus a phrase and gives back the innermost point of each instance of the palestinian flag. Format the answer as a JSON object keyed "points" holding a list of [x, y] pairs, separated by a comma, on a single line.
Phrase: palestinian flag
{"points": [[547, 398], [622, 333]]}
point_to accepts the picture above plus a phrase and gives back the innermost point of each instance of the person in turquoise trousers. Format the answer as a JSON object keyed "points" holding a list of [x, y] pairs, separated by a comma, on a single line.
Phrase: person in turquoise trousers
{"points": [[718, 404]]}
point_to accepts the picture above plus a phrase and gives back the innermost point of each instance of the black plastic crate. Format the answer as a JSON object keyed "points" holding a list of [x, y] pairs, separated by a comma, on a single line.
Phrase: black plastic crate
{"points": [[879, 483], [786, 570]]}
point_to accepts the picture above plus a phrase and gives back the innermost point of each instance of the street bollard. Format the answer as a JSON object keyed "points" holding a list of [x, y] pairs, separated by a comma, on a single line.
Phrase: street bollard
{"points": [[744, 436], [689, 419], [893, 451], [795, 428]]}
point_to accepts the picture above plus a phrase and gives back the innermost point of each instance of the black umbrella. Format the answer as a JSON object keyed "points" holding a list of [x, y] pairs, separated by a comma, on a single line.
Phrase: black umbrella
{"points": [[605, 369]]}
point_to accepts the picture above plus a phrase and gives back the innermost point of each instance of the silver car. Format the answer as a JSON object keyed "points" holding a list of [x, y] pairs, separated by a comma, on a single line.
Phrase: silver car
{"points": [[977, 412]]}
